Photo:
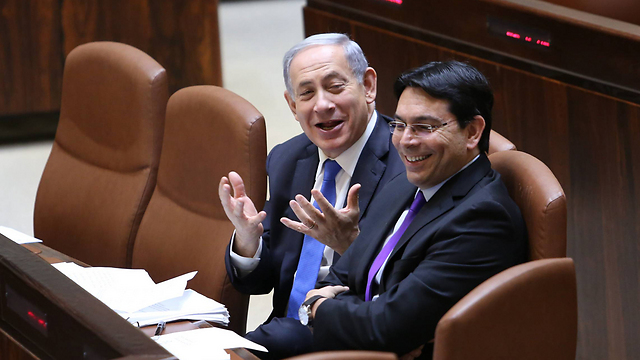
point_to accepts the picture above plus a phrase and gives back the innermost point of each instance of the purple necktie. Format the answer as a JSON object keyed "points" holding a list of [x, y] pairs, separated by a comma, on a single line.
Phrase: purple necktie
{"points": [[417, 204]]}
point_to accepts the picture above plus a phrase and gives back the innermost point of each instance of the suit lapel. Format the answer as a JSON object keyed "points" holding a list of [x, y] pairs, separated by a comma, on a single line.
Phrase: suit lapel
{"points": [[370, 168], [445, 198], [305, 173], [393, 200]]}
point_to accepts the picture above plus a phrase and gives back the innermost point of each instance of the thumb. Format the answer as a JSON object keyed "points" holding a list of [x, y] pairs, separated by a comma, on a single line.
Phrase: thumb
{"points": [[353, 197]]}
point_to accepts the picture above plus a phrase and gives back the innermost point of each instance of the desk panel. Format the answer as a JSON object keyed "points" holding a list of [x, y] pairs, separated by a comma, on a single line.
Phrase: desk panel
{"points": [[50, 317]]}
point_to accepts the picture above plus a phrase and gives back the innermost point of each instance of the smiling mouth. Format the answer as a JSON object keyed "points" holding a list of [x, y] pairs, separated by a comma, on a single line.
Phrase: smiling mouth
{"points": [[413, 159], [329, 125]]}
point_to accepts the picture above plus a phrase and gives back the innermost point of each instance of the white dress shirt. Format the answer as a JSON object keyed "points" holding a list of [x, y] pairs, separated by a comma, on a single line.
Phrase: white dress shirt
{"points": [[348, 161]]}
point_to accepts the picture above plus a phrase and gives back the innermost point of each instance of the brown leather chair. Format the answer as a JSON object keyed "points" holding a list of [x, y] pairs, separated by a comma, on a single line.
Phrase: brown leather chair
{"points": [[526, 312], [103, 164], [347, 355], [209, 131], [498, 142], [541, 199]]}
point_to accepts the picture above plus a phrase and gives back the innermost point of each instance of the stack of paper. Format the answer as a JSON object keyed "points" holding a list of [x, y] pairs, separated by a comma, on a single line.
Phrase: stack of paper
{"points": [[133, 294], [190, 306]]}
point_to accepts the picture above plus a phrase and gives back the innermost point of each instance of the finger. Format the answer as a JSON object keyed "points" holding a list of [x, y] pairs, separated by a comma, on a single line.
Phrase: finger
{"points": [[224, 192], [260, 217], [340, 288], [238, 210], [307, 206], [308, 219], [305, 211], [325, 206], [223, 181], [238, 184], [417, 352], [353, 197], [295, 226]]}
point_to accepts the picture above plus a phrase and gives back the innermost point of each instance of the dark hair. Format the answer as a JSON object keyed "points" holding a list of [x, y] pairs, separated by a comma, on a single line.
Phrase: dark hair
{"points": [[463, 86]]}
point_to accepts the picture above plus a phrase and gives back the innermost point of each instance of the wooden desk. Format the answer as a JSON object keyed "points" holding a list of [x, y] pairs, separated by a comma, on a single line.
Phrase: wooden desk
{"points": [[96, 323]]}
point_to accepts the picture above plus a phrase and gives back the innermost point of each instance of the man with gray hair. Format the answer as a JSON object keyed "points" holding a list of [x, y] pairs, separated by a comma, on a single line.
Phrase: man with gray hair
{"points": [[342, 160]]}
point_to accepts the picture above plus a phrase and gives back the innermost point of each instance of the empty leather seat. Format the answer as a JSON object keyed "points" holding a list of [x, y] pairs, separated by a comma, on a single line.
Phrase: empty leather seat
{"points": [[103, 164], [209, 132]]}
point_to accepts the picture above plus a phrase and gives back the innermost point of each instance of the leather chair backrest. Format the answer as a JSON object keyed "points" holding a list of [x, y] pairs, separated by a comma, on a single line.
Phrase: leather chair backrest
{"points": [[209, 132], [103, 164], [527, 312], [498, 142], [347, 355], [541, 199]]}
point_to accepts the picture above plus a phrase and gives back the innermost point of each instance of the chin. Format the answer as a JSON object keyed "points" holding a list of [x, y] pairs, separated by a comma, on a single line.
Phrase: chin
{"points": [[414, 179]]}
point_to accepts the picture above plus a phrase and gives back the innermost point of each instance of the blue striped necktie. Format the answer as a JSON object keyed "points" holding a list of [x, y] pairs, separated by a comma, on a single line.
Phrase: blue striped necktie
{"points": [[312, 249]]}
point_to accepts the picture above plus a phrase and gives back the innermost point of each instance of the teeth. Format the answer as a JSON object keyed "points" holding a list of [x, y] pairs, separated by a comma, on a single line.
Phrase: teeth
{"points": [[415, 158], [329, 124]]}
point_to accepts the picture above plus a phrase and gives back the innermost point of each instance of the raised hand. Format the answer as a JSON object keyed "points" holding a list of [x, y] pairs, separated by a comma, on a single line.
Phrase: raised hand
{"points": [[242, 213], [334, 228]]}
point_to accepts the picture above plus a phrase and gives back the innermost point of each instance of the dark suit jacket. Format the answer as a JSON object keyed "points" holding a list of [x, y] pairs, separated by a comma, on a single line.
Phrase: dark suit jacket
{"points": [[467, 232], [292, 167]]}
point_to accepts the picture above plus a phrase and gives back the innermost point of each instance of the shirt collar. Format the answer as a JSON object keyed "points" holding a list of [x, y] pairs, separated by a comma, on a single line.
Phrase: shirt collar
{"points": [[349, 158], [429, 192]]}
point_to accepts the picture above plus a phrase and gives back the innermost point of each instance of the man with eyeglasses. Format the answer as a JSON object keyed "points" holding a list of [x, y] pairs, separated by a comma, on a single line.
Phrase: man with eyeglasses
{"points": [[430, 237], [342, 160]]}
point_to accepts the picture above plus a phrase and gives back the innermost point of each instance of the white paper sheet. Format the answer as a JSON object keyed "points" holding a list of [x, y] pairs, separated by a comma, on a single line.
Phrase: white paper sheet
{"points": [[204, 344], [125, 290], [17, 236]]}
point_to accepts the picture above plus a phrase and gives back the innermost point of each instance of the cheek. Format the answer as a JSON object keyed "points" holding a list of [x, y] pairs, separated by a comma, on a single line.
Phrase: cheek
{"points": [[395, 140]]}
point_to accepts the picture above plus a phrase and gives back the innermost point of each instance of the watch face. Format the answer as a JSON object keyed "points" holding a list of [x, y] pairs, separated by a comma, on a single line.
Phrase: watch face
{"points": [[302, 314]]}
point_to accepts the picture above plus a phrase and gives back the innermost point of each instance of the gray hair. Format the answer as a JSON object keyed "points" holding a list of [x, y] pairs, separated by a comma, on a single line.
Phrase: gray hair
{"points": [[352, 52]]}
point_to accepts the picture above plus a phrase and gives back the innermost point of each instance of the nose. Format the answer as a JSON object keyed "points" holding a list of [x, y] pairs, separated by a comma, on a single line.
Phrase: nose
{"points": [[408, 137], [324, 103]]}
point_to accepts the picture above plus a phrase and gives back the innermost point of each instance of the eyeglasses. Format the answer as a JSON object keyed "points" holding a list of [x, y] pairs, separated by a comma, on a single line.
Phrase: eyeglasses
{"points": [[397, 127]]}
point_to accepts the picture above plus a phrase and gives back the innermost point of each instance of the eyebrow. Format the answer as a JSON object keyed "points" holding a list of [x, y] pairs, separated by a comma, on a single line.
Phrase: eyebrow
{"points": [[420, 118], [329, 76]]}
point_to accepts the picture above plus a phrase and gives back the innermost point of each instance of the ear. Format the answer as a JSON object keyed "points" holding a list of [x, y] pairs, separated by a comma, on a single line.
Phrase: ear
{"points": [[370, 85], [291, 103], [474, 132]]}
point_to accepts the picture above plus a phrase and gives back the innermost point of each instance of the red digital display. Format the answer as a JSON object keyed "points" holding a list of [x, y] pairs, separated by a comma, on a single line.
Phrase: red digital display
{"points": [[32, 316], [399, 2], [528, 35], [37, 319]]}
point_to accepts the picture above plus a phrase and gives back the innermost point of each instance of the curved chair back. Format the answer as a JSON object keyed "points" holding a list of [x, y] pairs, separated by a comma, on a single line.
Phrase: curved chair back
{"points": [[209, 132], [541, 199], [526, 312], [498, 142], [347, 355], [103, 164]]}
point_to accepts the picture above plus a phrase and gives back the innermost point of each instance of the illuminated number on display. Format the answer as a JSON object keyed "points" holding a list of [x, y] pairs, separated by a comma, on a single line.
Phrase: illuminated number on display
{"points": [[37, 319], [513, 35]]}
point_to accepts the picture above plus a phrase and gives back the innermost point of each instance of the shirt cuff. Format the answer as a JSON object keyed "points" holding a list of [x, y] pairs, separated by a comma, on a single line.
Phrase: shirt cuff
{"points": [[244, 265]]}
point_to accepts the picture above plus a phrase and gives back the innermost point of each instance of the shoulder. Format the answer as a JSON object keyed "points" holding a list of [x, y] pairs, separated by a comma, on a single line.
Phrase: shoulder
{"points": [[295, 148]]}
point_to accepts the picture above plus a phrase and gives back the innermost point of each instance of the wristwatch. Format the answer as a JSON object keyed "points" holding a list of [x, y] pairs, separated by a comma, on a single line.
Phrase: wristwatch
{"points": [[304, 313]]}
